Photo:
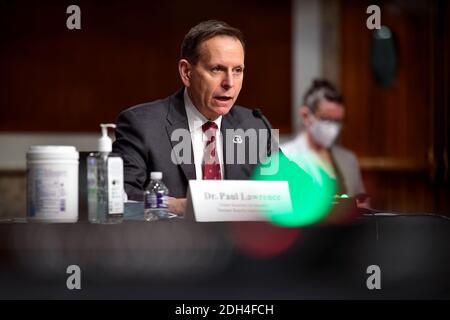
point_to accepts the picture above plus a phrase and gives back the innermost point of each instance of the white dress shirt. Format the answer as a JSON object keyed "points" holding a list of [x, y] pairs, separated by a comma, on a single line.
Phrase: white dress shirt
{"points": [[199, 138]]}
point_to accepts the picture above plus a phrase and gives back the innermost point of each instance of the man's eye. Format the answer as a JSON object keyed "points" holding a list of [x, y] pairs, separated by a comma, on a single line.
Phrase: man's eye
{"points": [[215, 69], [238, 70]]}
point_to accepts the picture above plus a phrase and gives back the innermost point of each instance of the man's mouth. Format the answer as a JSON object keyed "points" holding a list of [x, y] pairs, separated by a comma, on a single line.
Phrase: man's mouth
{"points": [[223, 98]]}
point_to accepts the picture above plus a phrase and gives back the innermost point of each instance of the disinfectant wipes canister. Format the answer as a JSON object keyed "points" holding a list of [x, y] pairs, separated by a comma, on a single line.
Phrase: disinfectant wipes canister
{"points": [[52, 184]]}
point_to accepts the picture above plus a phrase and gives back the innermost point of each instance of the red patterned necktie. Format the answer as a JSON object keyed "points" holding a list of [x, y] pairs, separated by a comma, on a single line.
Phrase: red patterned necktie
{"points": [[210, 164]]}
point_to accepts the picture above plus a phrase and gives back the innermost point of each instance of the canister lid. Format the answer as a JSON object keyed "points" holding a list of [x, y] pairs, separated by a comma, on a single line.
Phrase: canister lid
{"points": [[52, 152]]}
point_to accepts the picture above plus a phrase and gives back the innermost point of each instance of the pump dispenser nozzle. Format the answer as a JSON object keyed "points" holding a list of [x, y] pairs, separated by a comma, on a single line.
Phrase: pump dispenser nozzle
{"points": [[105, 142]]}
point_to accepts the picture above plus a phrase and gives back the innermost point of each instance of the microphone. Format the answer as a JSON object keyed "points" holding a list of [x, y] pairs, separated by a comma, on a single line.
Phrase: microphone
{"points": [[258, 114]]}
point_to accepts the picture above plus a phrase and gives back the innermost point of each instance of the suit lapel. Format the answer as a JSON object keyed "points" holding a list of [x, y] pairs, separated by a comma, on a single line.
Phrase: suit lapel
{"points": [[177, 119]]}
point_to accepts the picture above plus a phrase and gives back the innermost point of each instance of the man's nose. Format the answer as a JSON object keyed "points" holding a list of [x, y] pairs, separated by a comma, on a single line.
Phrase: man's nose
{"points": [[228, 80]]}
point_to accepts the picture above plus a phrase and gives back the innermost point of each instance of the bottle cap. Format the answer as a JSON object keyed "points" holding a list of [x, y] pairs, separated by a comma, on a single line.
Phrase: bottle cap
{"points": [[105, 142], [156, 175]]}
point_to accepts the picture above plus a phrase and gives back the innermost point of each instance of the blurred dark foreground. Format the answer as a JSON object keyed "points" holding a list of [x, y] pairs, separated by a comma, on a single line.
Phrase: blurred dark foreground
{"points": [[188, 260]]}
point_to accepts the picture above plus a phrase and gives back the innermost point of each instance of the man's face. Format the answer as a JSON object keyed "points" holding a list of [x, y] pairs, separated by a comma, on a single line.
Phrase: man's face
{"points": [[215, 81]]}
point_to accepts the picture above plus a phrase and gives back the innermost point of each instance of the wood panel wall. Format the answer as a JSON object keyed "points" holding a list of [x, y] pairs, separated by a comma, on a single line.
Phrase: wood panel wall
{"points": [[54, 79], [394, 130]]}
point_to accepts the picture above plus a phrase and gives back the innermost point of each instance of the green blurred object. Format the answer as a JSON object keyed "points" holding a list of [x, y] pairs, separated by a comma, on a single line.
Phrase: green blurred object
{"points": [[311, 198]]}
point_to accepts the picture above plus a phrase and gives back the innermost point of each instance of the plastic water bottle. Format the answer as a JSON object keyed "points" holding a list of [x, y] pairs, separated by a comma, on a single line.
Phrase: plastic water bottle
{"points": [[156, 198]]}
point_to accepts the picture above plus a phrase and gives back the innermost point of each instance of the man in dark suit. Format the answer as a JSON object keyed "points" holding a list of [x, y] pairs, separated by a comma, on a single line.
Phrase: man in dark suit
{"points": [[199, 132]]}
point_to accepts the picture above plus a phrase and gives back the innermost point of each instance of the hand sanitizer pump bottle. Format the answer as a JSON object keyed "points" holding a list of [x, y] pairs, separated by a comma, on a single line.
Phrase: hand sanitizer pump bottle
{"points": [[105, 182]]}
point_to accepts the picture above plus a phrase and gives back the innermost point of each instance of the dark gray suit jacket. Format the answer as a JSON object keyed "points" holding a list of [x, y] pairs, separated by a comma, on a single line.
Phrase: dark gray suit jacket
{"points": [[143, 139]]}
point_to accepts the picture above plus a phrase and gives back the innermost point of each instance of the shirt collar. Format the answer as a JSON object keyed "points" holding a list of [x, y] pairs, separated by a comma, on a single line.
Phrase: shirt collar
{"points": [[195, 118]]}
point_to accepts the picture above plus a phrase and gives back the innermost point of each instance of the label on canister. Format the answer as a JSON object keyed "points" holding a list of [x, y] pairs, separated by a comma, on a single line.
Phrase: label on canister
{"points": [[52, 184]]}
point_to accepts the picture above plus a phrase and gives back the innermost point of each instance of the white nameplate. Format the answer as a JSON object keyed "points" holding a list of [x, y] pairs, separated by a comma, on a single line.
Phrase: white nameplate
{"points": [[237, 200]]}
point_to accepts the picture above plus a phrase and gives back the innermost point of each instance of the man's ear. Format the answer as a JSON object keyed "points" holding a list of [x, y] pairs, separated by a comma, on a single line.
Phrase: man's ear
{"points": [[184, 68]]}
